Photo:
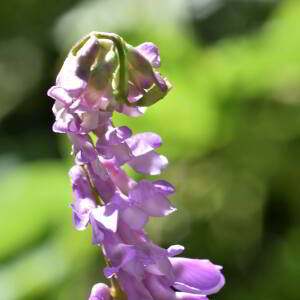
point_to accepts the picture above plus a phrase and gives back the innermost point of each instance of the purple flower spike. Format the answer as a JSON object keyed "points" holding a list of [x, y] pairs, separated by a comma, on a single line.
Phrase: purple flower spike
{"points": [[102, 75]]}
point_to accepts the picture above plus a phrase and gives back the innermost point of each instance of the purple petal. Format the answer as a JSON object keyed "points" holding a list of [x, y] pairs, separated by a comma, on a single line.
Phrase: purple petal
{"points": [[135, 218], [161, 264], [100, 291], [58, 93], [76, 69], [120, 255], [119, 135], [175, 250], [150, 52], [143, 143], [158, 288], [58, 107], [118, 176], [134, 289], [98, 169], [121, 153], [93, 119], [134, 94], [196, 276], [97, 232], [66, 122], [164, 187], [105, 187], [161, 83], [150, 163], [109, 272], [80, 185], [131, 111], [83, 147], [107, 217], [141, 73], [80, 219], [145, 196], [188, 296]]}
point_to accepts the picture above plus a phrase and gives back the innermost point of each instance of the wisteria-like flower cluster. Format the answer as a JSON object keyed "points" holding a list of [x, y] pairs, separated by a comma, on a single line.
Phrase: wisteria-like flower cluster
{"points": [[103, 74]]}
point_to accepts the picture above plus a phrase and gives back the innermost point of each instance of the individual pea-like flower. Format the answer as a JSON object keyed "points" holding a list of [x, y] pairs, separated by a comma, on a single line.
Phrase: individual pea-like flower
{"points": [[101, 75]]}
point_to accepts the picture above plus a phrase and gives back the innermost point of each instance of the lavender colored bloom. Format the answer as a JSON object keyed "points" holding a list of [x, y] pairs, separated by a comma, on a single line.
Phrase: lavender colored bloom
{"points": [[103, 74]]}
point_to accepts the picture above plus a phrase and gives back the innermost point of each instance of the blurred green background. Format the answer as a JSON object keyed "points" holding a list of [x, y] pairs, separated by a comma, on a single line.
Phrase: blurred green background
{"points": [[231, 127]]}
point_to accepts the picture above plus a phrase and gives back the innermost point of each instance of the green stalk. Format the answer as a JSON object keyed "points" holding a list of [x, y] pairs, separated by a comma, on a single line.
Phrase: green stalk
{"points": [[122, 90]]}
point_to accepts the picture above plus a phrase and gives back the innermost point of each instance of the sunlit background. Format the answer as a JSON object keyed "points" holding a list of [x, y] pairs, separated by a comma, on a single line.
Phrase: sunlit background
{"points": [[231, 128]]}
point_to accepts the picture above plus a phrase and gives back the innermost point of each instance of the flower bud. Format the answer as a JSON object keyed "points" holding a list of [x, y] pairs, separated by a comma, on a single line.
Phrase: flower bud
{"points": [[100, 291], [145, 85]]}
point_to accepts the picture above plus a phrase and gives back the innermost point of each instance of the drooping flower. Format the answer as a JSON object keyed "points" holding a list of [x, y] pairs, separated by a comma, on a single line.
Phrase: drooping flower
{"points": [[103, 74]]}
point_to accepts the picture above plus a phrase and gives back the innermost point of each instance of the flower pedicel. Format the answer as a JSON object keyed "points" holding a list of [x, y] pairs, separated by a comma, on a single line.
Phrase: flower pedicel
{"points": [[103, 74]]}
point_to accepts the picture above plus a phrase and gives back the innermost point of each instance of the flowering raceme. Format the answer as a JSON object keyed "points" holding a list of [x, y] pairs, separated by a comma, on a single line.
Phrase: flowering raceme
{"points": [[103, 74]]}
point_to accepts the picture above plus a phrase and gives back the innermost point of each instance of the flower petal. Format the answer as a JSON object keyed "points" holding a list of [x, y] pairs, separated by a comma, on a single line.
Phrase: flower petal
{"points": [[145, 196], [131, 111], [66, 122], [175, 250], [76, 69], [106, 216], [150, 52], [188, 296], [135, 218], [59, 94], [134, 289], [80, 184], [143, 143], [121, 256], [198, 276], [83, 148], [150, 163], [164, 187]]}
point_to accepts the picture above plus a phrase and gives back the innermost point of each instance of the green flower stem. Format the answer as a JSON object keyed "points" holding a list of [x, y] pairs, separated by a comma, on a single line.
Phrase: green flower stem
{"points": [[116, 291], [96, 196], [122, 91]]}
